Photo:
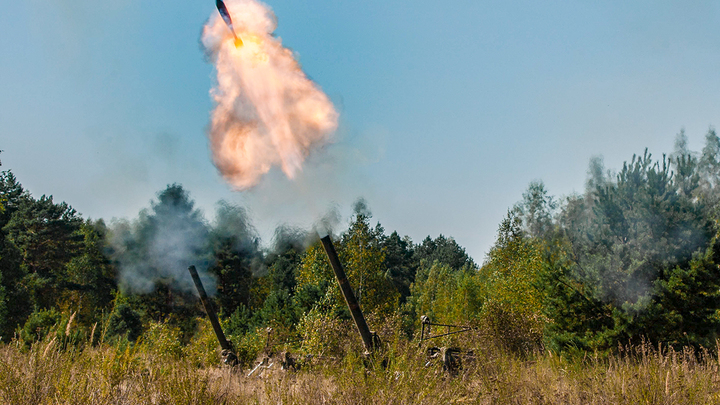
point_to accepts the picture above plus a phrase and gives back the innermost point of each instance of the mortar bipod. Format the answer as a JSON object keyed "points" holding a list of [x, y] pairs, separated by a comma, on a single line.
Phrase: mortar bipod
{"points": [[425, 332]]}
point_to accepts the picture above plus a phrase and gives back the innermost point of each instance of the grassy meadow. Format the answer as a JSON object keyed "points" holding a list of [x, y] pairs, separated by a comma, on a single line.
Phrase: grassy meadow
{"points": [[160, 371]]}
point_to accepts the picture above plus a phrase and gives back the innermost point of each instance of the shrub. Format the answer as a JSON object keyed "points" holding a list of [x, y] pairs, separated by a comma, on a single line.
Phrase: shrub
{"points": [[249, 346], [203, 349], [163, 339], [39, 324], [323, 334], [124, 322]]}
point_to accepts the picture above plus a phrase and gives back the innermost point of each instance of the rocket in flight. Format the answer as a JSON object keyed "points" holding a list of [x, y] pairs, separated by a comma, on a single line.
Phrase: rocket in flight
{"points": [[226, 16]]}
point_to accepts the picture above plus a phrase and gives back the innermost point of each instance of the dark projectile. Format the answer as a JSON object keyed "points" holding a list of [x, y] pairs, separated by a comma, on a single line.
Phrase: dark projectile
{"points": [[225, 14]]}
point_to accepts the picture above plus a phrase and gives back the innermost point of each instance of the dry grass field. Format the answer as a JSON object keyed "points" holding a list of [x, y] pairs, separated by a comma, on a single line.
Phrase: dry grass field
{"points": [[47, 373]]}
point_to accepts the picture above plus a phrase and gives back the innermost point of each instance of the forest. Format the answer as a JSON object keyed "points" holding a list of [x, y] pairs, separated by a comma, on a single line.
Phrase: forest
{"points": [[628, 269]]}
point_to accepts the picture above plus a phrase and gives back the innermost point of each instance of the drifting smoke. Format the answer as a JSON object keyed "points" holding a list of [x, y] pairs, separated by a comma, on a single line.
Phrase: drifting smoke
{"points": [[329, 221], [232, 223], [233, 230], [287, 237], [156, 248], [267, 111], [631, 228], [159, 246]]}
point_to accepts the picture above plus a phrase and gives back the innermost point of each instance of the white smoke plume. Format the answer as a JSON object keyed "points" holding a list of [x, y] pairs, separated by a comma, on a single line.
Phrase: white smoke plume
{"points": [[267, 112], [160, 244]]}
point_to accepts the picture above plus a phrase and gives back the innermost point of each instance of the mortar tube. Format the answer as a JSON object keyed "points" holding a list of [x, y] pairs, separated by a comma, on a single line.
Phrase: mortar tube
{"points": [[348, 294], [224, 344]]}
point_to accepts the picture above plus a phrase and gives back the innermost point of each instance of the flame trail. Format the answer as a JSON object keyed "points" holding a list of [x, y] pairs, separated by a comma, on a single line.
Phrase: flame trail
{"points": [[267, 111]]}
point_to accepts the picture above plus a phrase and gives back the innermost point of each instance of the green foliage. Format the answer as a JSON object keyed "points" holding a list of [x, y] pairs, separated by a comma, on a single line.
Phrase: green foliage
{"points": [[159, 246], [446, 295], [688, 301], [90, 281], [260, 288], [234, 277], [153, 254], [239, 323], [636, 255], [400, 262], [13, 195], [40, 324], [577, 320], [323, 334], [17, 297], [48, 237], [3, 308], [278, 309], [444, 250], [162, 339], [203, 350], [49, 257], [362, 255], [248, 346], [235, 251], [709, 169], [315, 269], [503, 296], [512, 274], [638, 226], [124, 322], [364, 258], [536, 210], [282, 270]]}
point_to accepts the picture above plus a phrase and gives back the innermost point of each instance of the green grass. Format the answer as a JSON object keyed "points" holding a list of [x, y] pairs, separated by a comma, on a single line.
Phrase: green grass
{"points": [[47, 373]]}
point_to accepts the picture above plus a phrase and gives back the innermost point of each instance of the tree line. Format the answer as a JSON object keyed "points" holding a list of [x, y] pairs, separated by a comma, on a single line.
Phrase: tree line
{"points": [[634, 257]]}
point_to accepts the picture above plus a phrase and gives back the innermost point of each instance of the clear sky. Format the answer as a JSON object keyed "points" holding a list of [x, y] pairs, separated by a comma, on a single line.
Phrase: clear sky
{"points": [[448, 109]]}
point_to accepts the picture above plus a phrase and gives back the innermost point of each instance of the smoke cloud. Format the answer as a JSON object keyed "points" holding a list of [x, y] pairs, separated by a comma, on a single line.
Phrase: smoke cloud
{"points": [[267, 112], [328, 222], [160, 244]]}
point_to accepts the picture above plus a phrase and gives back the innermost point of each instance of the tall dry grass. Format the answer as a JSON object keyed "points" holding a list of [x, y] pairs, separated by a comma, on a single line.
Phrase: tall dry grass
{"points": [[47, 373]]}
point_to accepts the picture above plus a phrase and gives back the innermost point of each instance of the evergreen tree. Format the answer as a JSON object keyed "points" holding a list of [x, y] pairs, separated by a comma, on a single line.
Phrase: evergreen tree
{"points": [[16, 300], [48, 237], [125, 322], [153, 255], [709, 170], [634, 245], [91, 278], [444, 250], [400, 263], [235, 250]]}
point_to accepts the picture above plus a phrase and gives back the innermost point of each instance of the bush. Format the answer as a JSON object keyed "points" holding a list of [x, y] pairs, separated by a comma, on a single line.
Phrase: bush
{"points": [[39, 324], [203, 349], [323, 334], [124, 322], [512, 329], [163, 339]]}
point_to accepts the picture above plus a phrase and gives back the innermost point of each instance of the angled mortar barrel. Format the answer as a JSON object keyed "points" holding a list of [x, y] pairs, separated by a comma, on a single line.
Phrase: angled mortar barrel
{"points": [[227, 352], [347, 292]]}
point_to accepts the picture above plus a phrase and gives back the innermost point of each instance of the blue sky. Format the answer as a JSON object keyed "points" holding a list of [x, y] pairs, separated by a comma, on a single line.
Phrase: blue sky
{"points": [[448, 109]]}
